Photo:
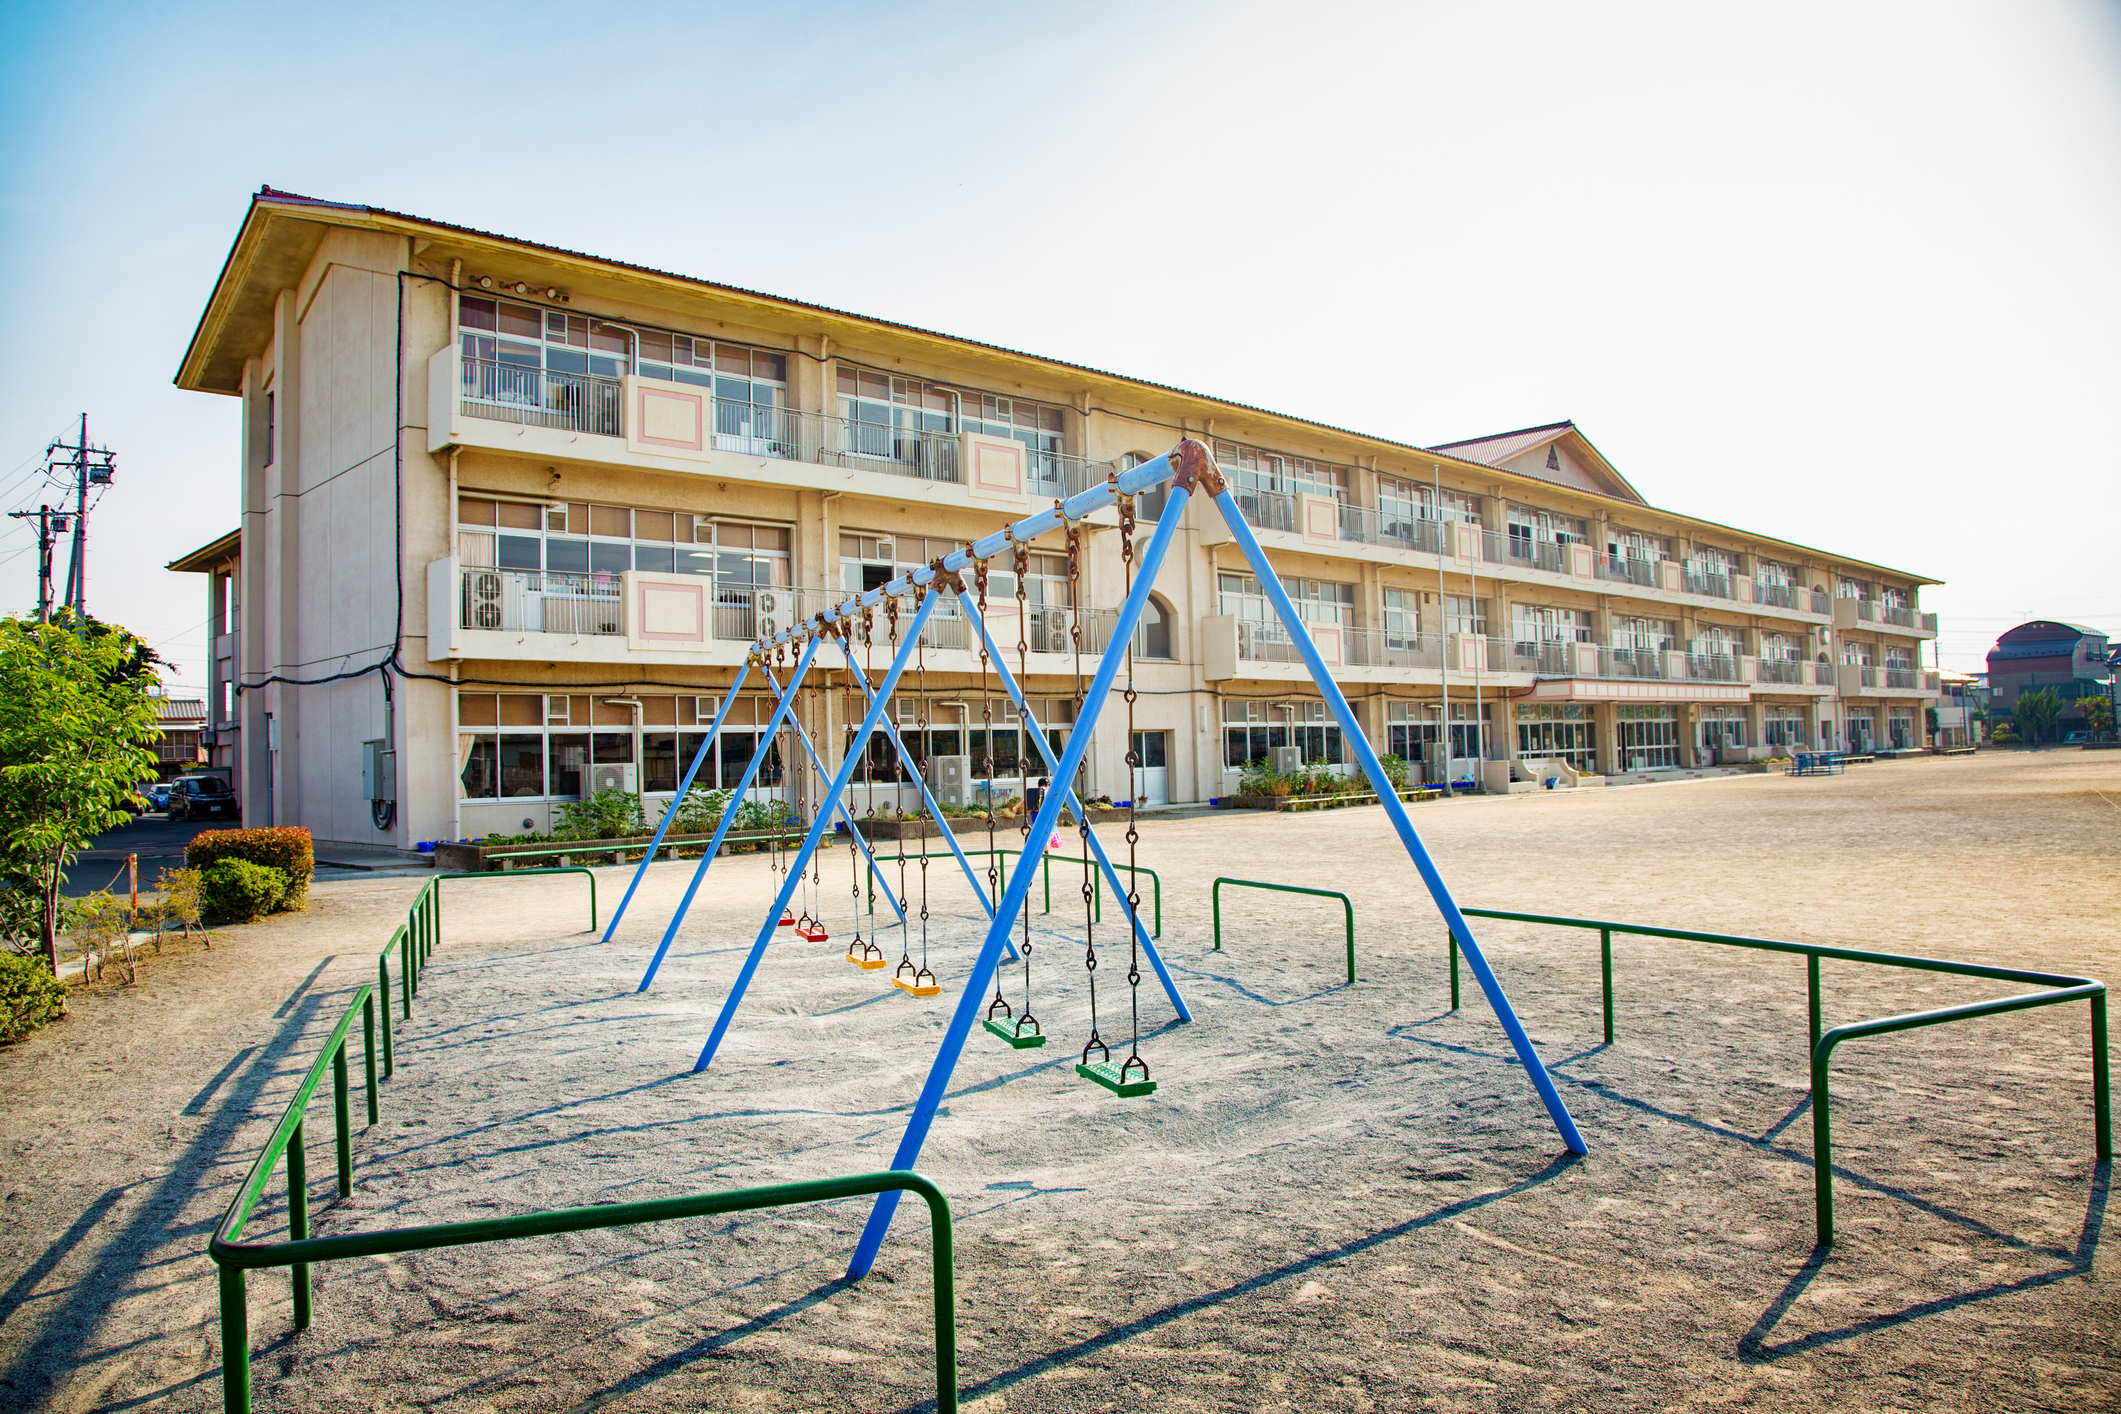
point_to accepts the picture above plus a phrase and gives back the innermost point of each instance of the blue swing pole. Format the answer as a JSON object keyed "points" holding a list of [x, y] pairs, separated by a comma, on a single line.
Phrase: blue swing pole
{"points": [[855, 749], [974, 998], [1351, 732], [736, 798], [698, 757], [859, 843], [979, 890], [1097, 846]]}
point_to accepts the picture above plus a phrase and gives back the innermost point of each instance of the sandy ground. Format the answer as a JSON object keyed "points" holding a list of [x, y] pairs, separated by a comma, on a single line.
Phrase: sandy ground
{"points": [[1339, 1198]]}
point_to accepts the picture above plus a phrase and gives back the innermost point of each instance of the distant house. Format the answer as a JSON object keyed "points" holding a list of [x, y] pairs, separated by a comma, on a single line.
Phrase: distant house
{"points": [[182, 748], [2069, 658], [1956, 708]]}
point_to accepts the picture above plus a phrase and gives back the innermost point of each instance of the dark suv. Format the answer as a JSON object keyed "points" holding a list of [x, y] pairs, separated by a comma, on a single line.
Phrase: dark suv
{"points": [[202, 798]]}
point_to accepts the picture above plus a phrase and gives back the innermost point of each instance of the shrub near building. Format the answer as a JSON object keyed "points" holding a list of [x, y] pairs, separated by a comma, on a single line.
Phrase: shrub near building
{"points": [[238, 891], [286, 850]]}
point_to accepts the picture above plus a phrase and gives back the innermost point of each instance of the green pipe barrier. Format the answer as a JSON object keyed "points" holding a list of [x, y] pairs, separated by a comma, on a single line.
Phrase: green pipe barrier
{"points": [[2062, 989], [235, 1257], [1215, 900], [413, 941], [436, 885], [1097, 883]]}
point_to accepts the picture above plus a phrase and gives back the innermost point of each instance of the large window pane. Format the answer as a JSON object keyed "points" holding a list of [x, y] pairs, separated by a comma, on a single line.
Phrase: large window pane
{"points": [[522, 764], [479, 773], [568, 757]]}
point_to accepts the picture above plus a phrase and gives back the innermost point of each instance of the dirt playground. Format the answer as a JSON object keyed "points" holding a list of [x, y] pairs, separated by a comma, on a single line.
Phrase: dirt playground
{"points": [[1339, 1198]]}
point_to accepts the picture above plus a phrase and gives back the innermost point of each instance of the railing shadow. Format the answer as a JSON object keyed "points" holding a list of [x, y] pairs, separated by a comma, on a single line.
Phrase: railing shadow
{"points": [[1755, 1349], [1193, 1305]]}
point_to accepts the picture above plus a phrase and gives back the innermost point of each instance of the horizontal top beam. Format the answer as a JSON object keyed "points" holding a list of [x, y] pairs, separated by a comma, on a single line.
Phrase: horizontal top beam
{"points": [[1184, 462]]}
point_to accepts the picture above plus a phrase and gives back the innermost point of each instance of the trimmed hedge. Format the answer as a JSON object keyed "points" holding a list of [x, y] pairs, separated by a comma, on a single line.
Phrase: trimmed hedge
{"points": [[29, 996], [238, 891], [286, 849]]}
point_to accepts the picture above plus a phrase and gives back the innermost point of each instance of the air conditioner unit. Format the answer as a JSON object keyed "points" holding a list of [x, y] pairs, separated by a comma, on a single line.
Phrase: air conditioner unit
{"points": [[1055, 637], [624, 776], [1286, 760], [483, 590], [950, 778], [767, 601]]}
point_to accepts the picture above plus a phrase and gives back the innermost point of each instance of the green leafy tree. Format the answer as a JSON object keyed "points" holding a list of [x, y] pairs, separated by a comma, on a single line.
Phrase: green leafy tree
{"points": [[2035, 714], [77, 718], [2098, 713]]}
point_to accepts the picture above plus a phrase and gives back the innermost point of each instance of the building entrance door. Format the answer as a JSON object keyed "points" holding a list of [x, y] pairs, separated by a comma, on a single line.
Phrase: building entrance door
{"points": [[1152, 778]]}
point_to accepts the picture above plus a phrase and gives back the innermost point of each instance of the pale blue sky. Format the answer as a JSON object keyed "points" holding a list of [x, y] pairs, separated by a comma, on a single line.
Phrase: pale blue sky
{"points": [[1843, 273]]}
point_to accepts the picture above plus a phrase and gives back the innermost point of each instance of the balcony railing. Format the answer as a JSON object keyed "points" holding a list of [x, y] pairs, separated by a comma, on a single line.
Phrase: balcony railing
{"points": [[1902, 678], [1711, 667], [1705, 582], [1394, 530], [1626, 569], [1535, 554], [1547, 658], [1780, 670], [1780, 596], [574, 402], [1821, 603], [541, 601]]}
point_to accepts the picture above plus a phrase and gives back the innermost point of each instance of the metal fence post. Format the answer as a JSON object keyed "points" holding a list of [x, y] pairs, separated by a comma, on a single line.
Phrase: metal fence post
{"points": [[2102, 1122], [1822, 1145], [298, 1219], [342, 1117], [409, 984], [1453, 940], [368, 1048], [235, 1343], [1605, 970], [383, 1007], [1811, 978]]}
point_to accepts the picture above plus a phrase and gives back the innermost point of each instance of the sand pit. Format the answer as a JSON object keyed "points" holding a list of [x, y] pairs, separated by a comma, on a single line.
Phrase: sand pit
{"points": [[1340, 1197]]}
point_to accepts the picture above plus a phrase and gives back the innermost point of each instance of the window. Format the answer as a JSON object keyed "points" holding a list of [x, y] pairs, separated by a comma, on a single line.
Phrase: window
{"points": [[894, 418], [1719, 727], [1317, 601], [1148, 506], [1469, 735], [1152, 636], [512, 335], [1847, 588], [1463, 614], [1534, 624], [1621, 545], [1649, 737], [1558, 731], [576, 538], [515, 745], [1248, 735], [1638, 635], [1253, 470], [1782, 727], [1529, 528], [1411, 728], [1402, 615]]}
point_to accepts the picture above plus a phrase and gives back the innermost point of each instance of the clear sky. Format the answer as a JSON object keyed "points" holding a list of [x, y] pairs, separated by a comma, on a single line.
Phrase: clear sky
{"points": [[1845, 273]]}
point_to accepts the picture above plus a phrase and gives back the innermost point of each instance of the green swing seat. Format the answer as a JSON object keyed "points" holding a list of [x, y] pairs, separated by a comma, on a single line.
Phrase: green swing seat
{"points": [[1008, 1032], [1108, 1075]]}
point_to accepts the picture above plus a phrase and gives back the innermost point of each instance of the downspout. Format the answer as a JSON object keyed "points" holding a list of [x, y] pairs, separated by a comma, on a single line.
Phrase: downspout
{"points": [[1443, 634]]}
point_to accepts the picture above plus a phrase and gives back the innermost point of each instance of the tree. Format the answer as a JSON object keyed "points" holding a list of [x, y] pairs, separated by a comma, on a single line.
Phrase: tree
{"points": [[2098, 713], [76, 719], [2036, 712]]}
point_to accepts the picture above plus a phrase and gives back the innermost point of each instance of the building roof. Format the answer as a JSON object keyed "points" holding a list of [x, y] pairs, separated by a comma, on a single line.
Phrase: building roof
{"points": [[282, 230], [1503, 447], [210, 556], [2055, 629], [180, 711]]}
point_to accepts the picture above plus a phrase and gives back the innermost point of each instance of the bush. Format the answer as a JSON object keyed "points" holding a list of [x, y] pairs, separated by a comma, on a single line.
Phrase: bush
{"points": [[180, 904], [1395, 770], [103, 931], [238, 891], [607, 815], [701, 811], [29, 996], [285, 850]]}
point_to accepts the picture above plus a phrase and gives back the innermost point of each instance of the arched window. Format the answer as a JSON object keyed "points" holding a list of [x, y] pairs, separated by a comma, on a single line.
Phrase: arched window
{"points": [[1152, 636], [1148, 507]]}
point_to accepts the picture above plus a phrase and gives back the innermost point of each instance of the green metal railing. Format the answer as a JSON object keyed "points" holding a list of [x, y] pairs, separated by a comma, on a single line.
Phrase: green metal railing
{"points": [[1215, 900], [414, 942], [2060, 989], [1097, 881]]}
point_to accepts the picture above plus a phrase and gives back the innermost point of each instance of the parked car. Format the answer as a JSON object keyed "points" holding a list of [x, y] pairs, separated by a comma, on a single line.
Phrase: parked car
{"points": [[158, 796], [2076, 738], [202, 798]]}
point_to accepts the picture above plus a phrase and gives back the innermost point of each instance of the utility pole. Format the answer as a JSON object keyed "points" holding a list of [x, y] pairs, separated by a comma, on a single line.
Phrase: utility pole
{"points": [[91, 466], [50, 524]]}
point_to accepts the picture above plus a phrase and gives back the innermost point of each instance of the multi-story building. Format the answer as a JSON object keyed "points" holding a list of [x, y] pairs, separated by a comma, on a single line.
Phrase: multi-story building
{"points": [[2047, 654], [556, 497], [181, 749]]}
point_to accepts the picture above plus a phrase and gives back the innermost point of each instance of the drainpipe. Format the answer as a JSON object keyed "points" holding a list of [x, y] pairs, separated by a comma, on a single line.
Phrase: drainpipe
{"points": [[1443, 634]]}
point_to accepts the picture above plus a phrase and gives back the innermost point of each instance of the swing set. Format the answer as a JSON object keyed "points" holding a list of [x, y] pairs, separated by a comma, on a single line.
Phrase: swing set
{"points": [[1191, 471]]}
